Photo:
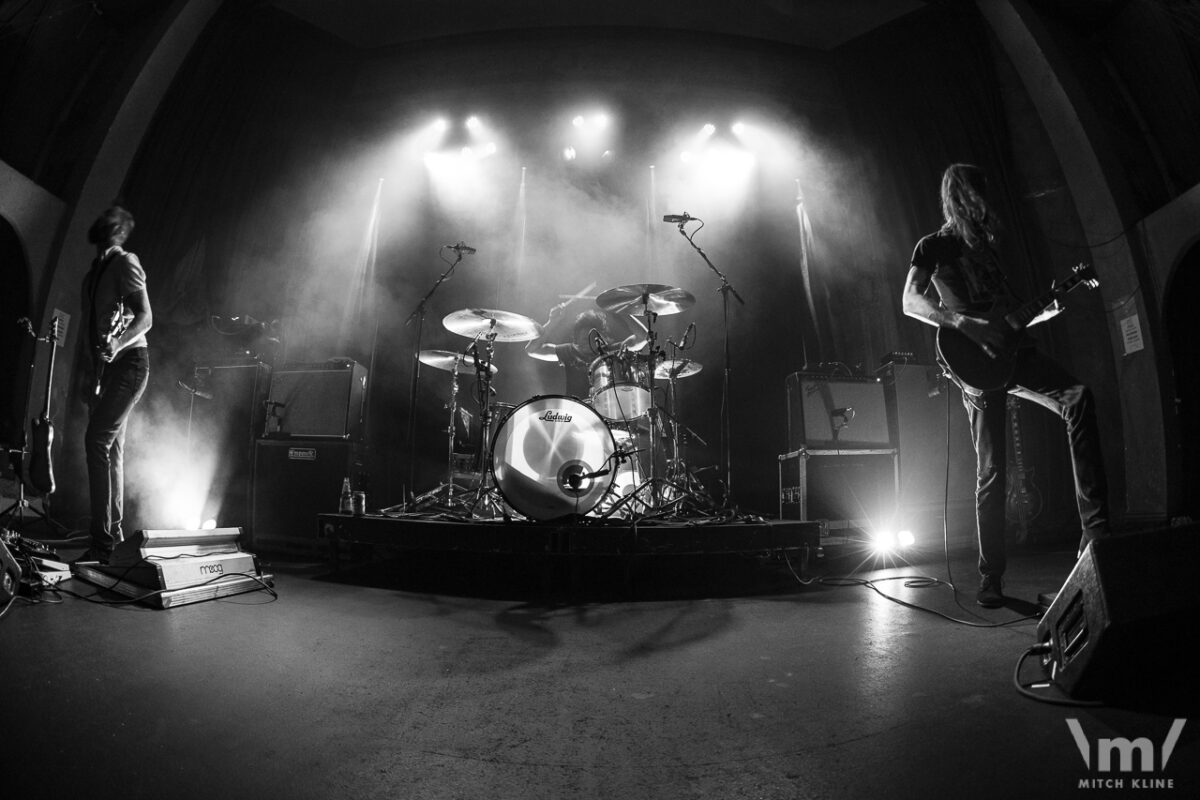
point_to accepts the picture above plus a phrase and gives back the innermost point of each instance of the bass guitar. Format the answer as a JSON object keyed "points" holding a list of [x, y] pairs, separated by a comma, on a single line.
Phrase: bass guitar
{"points": [[41, 468], [978, 371]]}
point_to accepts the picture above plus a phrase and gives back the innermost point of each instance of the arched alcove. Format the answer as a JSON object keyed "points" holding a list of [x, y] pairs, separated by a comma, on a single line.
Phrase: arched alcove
{"points": [[14, 304]]}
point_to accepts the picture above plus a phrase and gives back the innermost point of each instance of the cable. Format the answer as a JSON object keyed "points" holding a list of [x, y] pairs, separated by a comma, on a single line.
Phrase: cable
{"points": [[1026, 689]]}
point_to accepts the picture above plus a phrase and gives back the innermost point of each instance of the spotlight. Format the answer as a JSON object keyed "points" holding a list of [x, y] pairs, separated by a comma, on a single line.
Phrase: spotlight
{"points": [[906, 538], [577, 122], [883, 542], [473, 124], [686, 156], [708, 130], [600, 120], [738, 128], [209, 525], [569, 154]]}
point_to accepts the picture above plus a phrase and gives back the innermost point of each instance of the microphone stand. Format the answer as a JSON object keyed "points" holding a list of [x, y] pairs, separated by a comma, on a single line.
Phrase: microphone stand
{"points": [[418, 314], [725, 289]]}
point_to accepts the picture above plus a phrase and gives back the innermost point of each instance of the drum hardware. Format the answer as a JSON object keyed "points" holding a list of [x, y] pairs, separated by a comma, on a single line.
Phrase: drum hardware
{"points": [[488, 326], [647, 300], [454, 363], [418, 314], [726, 288]]}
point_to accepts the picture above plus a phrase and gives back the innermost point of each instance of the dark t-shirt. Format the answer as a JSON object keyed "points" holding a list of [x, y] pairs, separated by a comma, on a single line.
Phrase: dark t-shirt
{"points": [[110, 282], [576, 382], [968, 281]]}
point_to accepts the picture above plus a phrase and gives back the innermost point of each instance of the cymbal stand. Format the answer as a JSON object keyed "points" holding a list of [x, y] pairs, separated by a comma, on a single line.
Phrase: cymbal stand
{"points": [[485, 504], [418, 314], [726, 288]]}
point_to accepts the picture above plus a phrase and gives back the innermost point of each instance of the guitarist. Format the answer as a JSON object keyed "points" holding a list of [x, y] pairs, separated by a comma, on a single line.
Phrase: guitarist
{"points": [[117, 312], [956, 281]]}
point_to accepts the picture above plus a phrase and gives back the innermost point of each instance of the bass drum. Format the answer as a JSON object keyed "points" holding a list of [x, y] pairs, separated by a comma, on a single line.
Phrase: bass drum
{"points": [[544, 455]]}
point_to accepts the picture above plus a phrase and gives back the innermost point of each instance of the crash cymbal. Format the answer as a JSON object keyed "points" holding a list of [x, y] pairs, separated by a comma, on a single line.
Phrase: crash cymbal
{"points": [[505, 325], [639, 297], [448, 361], [677, 367]]}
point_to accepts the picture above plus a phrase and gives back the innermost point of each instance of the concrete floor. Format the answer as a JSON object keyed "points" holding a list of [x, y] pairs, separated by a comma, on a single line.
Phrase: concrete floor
{"points": [[717, 680]]}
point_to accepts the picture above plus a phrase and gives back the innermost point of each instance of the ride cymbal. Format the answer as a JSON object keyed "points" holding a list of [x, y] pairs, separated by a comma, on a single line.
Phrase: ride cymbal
{"points": [[503, 326]]}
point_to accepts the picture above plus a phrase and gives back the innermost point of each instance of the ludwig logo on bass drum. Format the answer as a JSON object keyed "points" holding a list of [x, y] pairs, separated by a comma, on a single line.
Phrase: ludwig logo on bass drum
{"points": [[555, 416]]}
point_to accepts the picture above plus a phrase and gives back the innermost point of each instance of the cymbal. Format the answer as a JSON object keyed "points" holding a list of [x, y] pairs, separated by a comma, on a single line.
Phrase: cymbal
{"points": [[504, 326], [680, 367], [653, 297], [449, 361]]}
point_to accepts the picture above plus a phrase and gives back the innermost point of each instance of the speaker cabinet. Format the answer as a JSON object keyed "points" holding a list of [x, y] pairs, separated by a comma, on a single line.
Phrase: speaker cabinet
{"points": [[318, 401], [293, 482], [1125, 621], [850, 491], [934, 441], [227, 413], [827, 412]]}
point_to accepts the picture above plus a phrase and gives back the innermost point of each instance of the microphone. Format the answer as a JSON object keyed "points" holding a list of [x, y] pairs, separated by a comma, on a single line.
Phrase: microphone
{"points": [[846, 414], [461, 247], [691, 330], [677, 218], [203, 395]]}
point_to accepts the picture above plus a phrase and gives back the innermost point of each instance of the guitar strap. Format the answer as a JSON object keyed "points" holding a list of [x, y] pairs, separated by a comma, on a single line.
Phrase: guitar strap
{"points": [[93, 288]]}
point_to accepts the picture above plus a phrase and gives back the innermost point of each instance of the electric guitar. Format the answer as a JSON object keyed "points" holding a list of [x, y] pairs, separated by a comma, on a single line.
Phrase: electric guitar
{"points": [[976, 370], [117, 323], [41, 469], [1024, 499]]}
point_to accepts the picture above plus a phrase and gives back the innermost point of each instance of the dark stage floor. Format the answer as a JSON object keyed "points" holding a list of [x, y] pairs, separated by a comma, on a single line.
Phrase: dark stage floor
{"points": [[686, 677]]}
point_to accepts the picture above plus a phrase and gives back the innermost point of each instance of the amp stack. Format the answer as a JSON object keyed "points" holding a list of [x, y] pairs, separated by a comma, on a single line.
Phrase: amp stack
{"points": [[313, 439], [842, 464]]}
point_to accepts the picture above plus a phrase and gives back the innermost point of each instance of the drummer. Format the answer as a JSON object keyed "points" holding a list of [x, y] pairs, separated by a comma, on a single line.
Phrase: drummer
{"points": [[576, 347]]}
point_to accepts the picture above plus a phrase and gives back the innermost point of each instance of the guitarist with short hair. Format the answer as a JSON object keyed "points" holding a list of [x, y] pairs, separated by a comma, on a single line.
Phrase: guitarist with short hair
{"points": [[957, 283], [116, 309]]}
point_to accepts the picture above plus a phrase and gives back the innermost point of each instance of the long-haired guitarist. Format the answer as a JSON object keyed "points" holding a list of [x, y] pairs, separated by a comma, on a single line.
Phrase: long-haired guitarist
{"points": [[117, 310], [956, 281]]}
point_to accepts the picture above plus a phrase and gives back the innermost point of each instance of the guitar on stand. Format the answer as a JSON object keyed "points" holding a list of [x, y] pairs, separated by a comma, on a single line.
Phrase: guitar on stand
{"points": [[40, 474], [974, 369]]}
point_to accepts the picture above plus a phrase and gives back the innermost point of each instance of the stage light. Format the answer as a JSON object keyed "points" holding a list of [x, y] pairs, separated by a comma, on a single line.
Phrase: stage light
{"points": [[208, 525], [569, 154], [473, 124], [708, 130], [883, 542], [601, 120], [577, 122], [738, 128], [489, 149], [607, 154], [687, 157], [906, 538]]}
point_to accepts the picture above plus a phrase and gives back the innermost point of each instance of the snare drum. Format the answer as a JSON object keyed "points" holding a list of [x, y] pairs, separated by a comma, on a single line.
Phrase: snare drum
{"points": [[545, 454], [620, 386]]}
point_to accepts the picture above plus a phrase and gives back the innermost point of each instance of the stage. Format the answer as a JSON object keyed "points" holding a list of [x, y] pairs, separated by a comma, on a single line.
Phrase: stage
{"points": [[574, 536]]}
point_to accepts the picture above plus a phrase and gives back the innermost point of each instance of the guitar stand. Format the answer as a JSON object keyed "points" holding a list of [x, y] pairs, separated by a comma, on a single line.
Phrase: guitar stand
{"points": [[14, 516]]}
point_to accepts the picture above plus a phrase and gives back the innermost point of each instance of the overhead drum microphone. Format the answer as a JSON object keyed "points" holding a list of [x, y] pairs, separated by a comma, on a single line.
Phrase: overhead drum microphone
{"points": [[678, 218], [462, 248]]}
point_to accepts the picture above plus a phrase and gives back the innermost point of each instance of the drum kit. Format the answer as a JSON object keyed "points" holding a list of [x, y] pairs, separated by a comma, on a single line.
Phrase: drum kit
{"points": [[554, 455]]}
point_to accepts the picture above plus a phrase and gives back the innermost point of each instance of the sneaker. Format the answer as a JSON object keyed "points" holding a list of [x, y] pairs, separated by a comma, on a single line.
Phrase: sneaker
{"points": [[989, 595]]}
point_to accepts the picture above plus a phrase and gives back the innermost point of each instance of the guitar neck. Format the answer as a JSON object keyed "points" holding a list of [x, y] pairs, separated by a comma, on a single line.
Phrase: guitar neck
{"points": [[1020, 318]]}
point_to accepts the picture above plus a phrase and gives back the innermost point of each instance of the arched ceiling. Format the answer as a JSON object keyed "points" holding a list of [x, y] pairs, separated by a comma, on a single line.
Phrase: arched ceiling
{"points": [[816, 24]]}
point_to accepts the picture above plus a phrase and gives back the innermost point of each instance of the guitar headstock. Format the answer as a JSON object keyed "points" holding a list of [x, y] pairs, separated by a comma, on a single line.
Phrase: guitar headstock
{"points": [[1086, 275], [55, 329]]}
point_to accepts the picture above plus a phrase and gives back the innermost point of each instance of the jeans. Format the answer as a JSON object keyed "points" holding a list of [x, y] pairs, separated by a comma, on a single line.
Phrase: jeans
{"points": [[1043, 381], [121, 386]]}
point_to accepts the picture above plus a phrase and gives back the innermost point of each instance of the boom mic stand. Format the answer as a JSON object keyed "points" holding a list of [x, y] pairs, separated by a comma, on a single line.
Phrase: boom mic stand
{"points": [[418, 314], [726, 288]]}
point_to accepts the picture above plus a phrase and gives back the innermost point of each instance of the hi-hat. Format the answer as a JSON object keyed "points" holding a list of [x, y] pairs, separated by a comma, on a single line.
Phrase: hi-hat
{"points": [[449, 361], [676, 368], [639, 297], [503, 326]]}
